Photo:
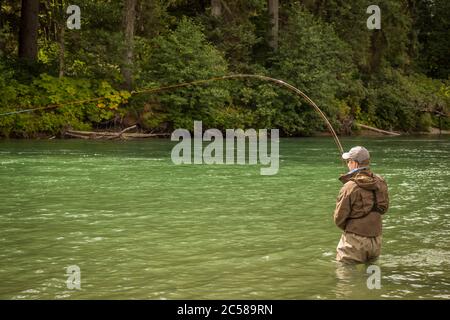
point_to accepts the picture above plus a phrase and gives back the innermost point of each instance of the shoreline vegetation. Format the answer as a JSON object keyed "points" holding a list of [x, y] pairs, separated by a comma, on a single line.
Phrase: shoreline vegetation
{"points": [[106, 75], [126, 134]]}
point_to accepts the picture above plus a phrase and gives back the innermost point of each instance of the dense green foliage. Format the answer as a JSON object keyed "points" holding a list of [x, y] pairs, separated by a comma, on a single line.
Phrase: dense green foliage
{"points": [[47, 91], [396, 78], [185, 55]]}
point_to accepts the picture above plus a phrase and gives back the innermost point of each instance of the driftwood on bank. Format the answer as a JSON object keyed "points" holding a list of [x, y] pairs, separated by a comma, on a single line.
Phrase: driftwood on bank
{"points": [[112, 135], [80, 136], [377, 130], [120, 134]]}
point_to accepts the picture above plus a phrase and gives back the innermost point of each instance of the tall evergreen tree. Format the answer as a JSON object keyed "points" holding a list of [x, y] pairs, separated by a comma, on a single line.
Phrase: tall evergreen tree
{"points": [[29, 23]]}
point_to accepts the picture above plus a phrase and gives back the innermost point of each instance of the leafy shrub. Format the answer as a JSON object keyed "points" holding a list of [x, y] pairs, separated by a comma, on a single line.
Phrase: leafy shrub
{"points": [[312, 58], [403, 102], [47, 90], [180, 56]]}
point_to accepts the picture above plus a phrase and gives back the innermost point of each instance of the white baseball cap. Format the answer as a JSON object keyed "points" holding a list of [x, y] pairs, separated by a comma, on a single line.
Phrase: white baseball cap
{"points": [[358, 154]]}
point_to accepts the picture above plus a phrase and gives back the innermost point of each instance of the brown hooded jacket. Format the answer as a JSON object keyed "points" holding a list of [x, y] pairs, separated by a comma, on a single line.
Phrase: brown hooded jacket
{"points": [[361, 202]]}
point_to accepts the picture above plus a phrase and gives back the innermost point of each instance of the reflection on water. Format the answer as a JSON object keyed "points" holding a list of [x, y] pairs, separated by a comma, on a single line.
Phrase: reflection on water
{"points": [[140, 227]]}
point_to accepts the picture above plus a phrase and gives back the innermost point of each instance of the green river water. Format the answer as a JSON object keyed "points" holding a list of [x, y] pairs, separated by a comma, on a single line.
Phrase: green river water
{"points": [[140, 227]]}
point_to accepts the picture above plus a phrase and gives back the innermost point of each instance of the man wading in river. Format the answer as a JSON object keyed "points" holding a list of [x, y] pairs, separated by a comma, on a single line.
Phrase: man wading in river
{"points": [[360, 204]]}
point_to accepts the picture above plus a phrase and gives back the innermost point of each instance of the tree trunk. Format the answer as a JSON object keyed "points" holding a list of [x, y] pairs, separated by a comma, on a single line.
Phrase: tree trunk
{"points": [[61, 50], [273, 6], [216, 8], [129, 18], [440, 125], [2, 42], [378, 44], [28, 35], [1, 15]]}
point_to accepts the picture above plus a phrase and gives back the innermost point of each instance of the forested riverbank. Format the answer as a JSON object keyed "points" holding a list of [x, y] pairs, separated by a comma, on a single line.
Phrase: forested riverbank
{"points": [[395, 78]]}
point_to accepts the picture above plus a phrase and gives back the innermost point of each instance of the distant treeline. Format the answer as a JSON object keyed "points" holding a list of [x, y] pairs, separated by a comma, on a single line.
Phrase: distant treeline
{"points": [[393, 78]]}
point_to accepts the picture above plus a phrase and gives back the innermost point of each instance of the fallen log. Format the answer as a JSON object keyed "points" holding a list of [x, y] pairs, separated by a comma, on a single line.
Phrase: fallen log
{"points": [[377, 130], [145, 135], [88, 133], [112, 135], [76, 135], [120, 134]]}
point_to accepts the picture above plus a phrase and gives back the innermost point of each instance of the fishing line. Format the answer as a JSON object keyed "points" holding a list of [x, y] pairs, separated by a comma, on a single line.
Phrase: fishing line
{"points": [[199, 82]]}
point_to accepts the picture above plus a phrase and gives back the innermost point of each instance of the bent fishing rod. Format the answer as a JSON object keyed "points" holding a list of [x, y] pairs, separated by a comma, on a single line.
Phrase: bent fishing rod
{"points": [[278, 82]]}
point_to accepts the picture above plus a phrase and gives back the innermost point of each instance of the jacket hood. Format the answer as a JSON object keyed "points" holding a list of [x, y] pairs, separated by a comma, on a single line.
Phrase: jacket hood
{"points": [[363, 178]]}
